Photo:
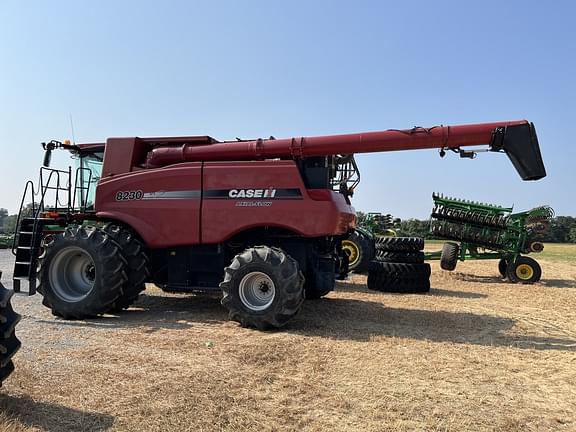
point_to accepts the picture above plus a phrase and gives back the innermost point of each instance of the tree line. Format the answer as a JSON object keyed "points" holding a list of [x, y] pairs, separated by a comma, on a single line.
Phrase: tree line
{"points": [[562, 229]]}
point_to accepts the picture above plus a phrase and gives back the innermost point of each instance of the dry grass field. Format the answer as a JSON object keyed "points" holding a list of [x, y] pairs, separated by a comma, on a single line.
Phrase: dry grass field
{"points": [[475, 354]]}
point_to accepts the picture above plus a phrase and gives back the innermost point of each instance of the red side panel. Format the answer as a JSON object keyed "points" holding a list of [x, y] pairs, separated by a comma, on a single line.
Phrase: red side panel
{"points": [[186, 204], [242, 195], [162, 205]]}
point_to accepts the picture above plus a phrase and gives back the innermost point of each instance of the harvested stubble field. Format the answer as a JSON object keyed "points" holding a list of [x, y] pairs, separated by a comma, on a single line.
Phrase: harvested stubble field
{"points": [[475, 354]]}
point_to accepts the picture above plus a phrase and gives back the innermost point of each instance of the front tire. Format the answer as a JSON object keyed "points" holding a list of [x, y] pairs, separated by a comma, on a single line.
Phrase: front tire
{"points": [[9, 344], [81, 272], [134, 251], [263, 288]]}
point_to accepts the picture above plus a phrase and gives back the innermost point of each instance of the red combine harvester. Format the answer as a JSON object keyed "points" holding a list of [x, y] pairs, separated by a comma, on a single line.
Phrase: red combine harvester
{"points": [[262, 220]]}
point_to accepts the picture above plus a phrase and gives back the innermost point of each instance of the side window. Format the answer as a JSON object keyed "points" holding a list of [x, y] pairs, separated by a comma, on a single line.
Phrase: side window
{"points": [[88, 177]]}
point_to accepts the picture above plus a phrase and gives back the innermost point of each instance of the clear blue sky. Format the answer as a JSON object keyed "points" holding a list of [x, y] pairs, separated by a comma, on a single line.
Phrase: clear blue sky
{"points": [[254, 69]]}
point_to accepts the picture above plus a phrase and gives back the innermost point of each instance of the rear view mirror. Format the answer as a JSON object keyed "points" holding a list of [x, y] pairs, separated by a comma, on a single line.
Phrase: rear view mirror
{"points": [[47, 157]]}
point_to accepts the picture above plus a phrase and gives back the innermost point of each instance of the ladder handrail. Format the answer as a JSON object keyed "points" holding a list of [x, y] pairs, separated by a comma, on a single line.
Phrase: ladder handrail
{"points": [[41, 192], [17, 227]]}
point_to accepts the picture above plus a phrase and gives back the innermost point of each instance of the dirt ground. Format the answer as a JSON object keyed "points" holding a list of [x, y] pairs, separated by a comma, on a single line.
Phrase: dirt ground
{"points": [[475, 354]]}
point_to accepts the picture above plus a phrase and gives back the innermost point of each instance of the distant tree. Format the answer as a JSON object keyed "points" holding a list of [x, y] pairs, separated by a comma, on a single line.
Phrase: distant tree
{"points": [[3, 216], [572, 235], [414, 228], [9, 224]]}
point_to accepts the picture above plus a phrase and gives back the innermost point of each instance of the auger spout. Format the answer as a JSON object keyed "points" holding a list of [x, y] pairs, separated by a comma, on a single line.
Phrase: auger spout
{"points": [[515, 138]]}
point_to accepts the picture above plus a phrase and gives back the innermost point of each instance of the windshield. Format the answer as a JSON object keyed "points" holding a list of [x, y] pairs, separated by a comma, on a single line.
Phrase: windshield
{"points": [[87, 176]]}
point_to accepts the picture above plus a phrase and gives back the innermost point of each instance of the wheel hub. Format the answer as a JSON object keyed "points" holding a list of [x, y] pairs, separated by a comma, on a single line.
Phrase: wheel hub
{"points": [[524, 272], [72, 274], [257, 291], [351, 249]]}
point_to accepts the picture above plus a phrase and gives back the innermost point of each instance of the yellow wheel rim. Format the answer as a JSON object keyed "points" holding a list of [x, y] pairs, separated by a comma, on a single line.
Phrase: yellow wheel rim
{"points": [[524, 272], [353, 252]]}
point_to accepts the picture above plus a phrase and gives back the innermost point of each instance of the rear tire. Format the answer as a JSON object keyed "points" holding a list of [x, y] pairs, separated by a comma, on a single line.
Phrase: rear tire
{"points": [[9, 344], [263, 288], [360, 250], [449, 256], [81, 272], [400, 244], [134, 251]]}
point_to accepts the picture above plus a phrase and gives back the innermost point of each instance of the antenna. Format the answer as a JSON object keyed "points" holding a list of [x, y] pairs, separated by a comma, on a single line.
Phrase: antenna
{"points": [[72, 127]]}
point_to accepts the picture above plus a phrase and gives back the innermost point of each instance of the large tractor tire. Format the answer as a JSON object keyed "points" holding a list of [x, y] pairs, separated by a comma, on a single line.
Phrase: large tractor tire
{"points": [[401, 270], [525, 270], [81, 272], [360, 249], [393, 283], [400, 257], [9, 344], [449, 256], [263, 288], [134, 251], [399, 277], [399, 244]]}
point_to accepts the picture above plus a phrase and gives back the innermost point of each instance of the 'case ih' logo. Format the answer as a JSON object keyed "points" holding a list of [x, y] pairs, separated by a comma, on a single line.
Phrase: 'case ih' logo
{"points": [[252, 193]]}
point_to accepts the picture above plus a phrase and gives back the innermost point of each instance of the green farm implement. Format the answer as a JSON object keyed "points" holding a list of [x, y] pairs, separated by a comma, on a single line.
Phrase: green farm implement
{"points": [[360, 246], [485, 231]]}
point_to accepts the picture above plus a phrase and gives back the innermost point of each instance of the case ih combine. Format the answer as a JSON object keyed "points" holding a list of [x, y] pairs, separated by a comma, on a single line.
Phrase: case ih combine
{"points": [[262, 221]]}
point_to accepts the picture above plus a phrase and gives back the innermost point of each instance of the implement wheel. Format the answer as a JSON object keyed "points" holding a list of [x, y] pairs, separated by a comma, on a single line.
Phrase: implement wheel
{"points": [[263, 288], [525, 270], [503, 267], [449, 257], [360, 250], [82, 272]]}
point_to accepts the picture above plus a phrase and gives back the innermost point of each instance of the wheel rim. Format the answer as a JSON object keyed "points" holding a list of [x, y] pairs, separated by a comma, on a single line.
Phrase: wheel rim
{"points": [[257, 291], [352, 251], [524, 272], [72, 274]]}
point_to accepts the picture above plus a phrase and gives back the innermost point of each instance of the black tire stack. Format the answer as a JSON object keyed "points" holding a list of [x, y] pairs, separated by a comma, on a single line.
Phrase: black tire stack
{"points": [[399, 266]]}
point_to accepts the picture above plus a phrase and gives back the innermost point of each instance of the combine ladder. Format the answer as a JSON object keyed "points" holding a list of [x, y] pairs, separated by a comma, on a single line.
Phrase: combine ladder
{"points": [[28, 237]]}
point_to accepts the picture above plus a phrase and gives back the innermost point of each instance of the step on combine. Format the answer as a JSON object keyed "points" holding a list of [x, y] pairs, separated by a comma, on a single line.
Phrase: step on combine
{"points": [[486, 231], [260, 221]]}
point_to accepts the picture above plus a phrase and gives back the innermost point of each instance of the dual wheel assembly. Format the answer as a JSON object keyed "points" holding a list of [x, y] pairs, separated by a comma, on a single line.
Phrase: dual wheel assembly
{"points": [[523, 269], [399, 266], [87, 271]]}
